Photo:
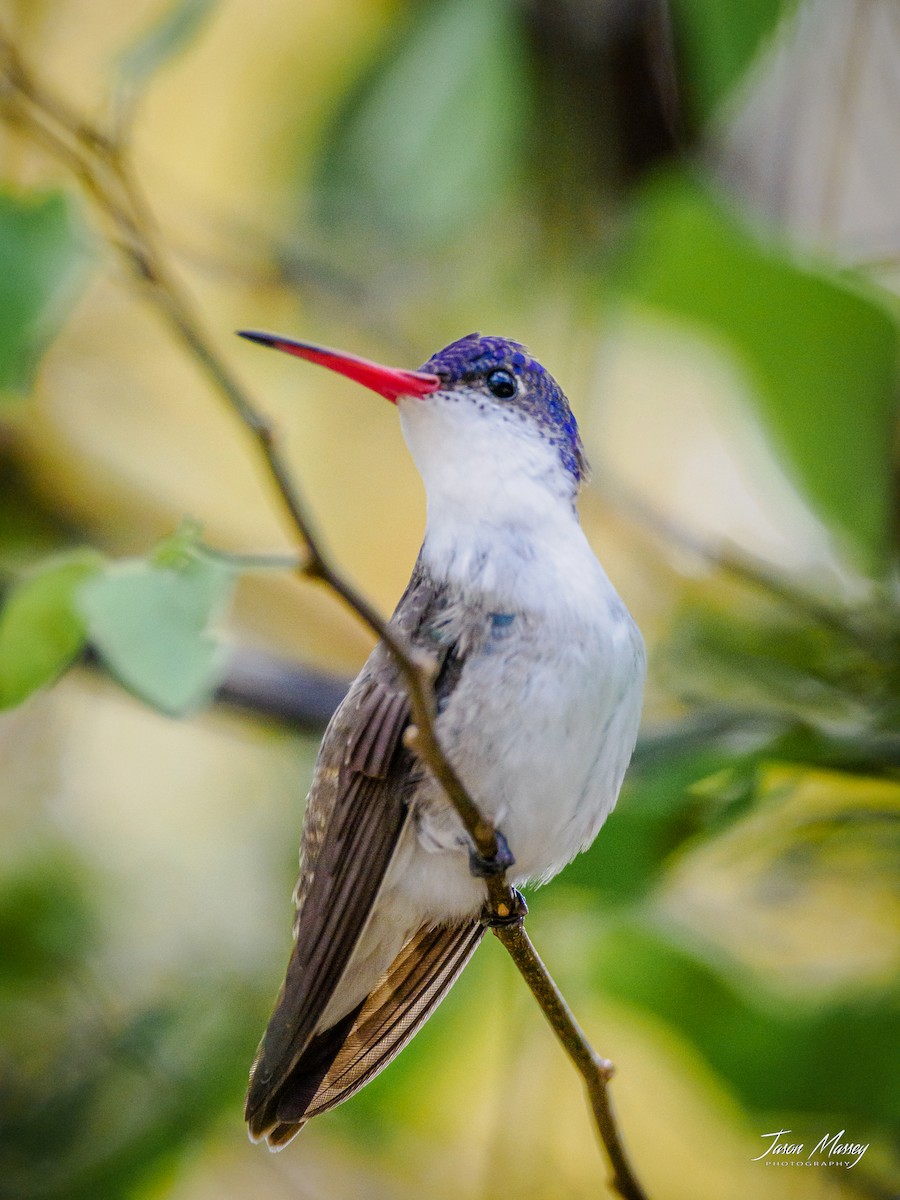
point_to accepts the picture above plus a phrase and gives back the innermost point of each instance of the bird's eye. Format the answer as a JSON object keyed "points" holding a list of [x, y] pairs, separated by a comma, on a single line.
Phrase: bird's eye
{"points": [[502, 384]]}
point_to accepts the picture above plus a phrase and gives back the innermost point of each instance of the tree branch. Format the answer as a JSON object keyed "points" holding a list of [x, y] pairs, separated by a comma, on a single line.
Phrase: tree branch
{"points": [[594, 1070], [102, 164]]}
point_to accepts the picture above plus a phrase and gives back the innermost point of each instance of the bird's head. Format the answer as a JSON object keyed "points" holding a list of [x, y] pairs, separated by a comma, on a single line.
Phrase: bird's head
{"points": [[501, 381], [486, 423]]}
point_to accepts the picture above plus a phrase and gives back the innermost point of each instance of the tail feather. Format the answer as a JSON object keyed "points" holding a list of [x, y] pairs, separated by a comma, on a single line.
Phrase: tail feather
{"points": [[300, 1086], [341, 1060]]}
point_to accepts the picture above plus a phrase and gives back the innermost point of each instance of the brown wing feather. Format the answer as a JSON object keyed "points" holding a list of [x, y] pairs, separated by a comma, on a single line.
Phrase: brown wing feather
{"points": [[344, 865], [356, 812], [342, 1060]]}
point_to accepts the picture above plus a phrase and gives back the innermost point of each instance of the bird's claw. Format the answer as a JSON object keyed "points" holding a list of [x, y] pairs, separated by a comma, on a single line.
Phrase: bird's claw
{"points": [[484, 868], [504, 914]]}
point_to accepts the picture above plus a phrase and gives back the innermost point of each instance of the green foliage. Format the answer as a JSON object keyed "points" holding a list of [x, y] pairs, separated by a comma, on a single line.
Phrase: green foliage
{"points": [[431, 137], [665, 803], [820, 356], [815, 688], [28, 529], [840, 1058], [718, 42], [42, 261], [41, 628], [151, 622], [120, 1096], [764, 658], [46, 925]]}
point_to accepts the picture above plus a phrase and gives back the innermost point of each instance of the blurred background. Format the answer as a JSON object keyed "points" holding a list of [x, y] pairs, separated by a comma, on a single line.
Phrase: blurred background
{"points": [[690, 212]]}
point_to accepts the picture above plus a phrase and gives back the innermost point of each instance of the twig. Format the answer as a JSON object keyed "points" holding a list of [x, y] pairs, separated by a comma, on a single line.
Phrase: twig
{"points": [[595, 1071], [101, 163]]}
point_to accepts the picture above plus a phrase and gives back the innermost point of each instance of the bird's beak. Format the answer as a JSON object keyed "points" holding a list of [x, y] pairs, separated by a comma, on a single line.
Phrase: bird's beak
{"points": [[389, 382]]}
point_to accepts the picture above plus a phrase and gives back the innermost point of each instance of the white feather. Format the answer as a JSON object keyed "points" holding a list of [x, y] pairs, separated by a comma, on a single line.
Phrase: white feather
{"points": [[543, 720]]}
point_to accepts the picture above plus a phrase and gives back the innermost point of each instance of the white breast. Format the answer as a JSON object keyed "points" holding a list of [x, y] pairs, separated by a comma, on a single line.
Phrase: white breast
{"points": [[541, 727], [543, 720]]}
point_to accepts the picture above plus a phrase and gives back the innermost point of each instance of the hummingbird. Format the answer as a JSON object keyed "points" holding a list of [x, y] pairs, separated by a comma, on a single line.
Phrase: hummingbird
{"points": [[538, 688]]}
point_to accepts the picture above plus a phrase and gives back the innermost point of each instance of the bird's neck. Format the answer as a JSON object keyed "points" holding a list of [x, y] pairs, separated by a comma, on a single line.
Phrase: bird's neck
{"points": [[502, 524], [512, 556]]}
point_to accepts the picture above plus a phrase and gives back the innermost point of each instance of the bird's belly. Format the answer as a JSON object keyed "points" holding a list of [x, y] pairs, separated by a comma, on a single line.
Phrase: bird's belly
{"points": [[541, 737], [544, 756]]}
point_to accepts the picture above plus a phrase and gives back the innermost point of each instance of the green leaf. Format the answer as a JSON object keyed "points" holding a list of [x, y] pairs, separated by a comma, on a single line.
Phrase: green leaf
{"points": [[182, 548], [42, 261], [432, 136], [29, 530], [153, 1078], [718, 42], [166, 38], [762, 658], [46, 923], [820, 357], [777, 1056], [693, 783], [41, 629], [150, 623]]}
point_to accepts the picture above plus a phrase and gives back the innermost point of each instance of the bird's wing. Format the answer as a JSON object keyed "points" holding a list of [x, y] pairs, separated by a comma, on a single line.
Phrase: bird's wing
{"points": [[346, 853], [356, 813], [344, 1059]]}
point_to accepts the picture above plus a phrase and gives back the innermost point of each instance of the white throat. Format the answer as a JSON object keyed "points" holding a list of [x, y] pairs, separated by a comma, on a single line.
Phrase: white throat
{"points": [[501, 515]]}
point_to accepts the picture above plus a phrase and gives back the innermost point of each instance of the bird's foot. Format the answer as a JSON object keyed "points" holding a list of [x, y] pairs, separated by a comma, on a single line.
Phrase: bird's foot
{"points": [[505, 914], [484, 868]]}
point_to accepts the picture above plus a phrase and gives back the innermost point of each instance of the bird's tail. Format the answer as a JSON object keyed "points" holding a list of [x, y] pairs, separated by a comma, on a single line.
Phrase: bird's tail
{"points": [[339, 1061]]}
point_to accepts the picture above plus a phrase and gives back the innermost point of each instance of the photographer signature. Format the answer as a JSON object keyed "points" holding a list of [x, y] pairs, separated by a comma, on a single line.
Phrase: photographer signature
{"points": [[831, 1150]]}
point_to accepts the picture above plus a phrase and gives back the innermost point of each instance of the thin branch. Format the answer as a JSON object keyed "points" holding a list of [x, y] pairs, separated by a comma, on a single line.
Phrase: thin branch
{"points": [[595, 1071], [101, 163], [139, 246]]}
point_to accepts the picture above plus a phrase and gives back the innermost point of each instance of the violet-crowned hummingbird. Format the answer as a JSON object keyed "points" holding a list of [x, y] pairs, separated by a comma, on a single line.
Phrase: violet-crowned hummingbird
{"points": [[539, 687]]}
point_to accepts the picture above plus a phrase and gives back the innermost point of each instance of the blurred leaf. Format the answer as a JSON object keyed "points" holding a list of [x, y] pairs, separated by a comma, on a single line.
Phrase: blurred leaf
{"points": [[777, 1056], [41, 628], [663, 804], [45, 923], [763, 658], [125, 1097], [821, 357], [42, 260], [718, 42], [167, 37], [431, 138], [703, 775], [29, 529], [181, 548], [150, 622]]}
